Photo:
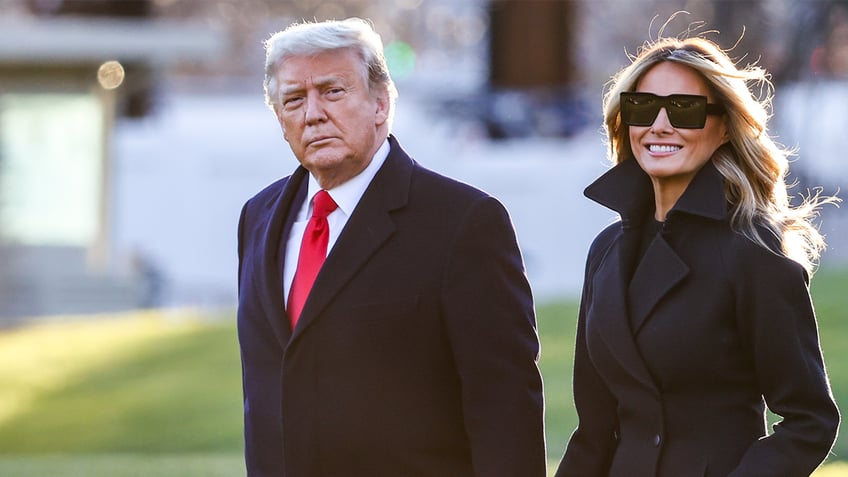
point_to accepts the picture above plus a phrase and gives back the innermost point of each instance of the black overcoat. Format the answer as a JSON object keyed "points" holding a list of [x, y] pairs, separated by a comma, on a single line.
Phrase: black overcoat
{"points": [[416, 351], [679, 353]]}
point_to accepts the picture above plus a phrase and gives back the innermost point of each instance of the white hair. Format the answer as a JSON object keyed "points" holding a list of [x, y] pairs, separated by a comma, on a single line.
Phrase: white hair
{"points": [[312, 38]]}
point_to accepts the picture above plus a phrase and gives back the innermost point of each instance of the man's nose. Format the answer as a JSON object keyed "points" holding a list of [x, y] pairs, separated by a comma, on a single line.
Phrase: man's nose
{"points": [[314, 108]]}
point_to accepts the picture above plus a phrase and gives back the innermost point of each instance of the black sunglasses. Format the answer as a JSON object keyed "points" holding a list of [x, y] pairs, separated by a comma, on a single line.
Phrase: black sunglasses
{"points": [[685, 111]]}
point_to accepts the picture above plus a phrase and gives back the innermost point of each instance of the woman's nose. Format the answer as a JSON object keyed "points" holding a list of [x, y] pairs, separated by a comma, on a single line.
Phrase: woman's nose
{"points": [[661, 122]]}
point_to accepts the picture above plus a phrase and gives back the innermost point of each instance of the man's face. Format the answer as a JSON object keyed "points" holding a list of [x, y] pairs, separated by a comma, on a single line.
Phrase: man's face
{"points": [[332, 121]]}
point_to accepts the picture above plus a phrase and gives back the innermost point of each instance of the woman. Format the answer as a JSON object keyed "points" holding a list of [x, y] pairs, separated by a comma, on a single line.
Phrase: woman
{"points": [[695, 312]]}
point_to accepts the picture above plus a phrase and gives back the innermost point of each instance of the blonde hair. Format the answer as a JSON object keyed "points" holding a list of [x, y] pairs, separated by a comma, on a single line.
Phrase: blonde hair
{"points": [[754, 167]]}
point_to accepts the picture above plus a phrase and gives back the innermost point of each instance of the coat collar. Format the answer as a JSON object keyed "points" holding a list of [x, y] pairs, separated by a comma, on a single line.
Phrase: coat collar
{"points": [[627, 189]]}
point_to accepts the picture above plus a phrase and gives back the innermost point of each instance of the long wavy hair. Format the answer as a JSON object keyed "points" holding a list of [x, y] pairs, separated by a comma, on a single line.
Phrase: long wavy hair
{"points": [[754, 166]]}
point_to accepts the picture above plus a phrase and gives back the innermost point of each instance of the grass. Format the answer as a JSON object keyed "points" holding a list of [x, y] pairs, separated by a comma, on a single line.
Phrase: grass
{"points": [[829, 289], [556, 331], [138, 383], [159, 394], [124, 465]]}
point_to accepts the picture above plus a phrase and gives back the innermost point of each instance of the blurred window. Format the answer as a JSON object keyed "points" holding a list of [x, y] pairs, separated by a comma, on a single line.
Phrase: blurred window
{"points": [[50, 168]]}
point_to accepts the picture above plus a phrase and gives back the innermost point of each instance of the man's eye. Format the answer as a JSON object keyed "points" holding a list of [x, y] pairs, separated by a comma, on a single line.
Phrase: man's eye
{"points": [[292, 102]]}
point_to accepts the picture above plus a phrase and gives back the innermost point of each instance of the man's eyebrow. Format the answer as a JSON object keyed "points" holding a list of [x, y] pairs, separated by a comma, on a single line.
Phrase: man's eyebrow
{"points": [[327, 80], [319, 82]]}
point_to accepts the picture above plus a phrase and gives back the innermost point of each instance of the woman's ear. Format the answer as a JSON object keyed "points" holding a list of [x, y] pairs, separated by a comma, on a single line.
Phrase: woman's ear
{"points": [[725, 131]]}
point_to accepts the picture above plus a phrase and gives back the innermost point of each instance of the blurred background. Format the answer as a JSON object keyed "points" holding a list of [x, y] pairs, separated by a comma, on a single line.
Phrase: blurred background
{"points": [[132, 131]]}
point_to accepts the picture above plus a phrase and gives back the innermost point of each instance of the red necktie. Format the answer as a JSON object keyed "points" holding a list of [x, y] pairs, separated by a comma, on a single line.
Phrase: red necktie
{"points": [[313, 251]]}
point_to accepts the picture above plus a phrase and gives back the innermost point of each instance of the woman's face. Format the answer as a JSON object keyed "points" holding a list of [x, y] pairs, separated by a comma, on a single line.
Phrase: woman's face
{"points": [[672, 156]]}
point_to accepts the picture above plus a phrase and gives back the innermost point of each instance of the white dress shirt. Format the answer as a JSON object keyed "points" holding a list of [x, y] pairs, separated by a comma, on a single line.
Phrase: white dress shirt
{"points": [[346, 196]]}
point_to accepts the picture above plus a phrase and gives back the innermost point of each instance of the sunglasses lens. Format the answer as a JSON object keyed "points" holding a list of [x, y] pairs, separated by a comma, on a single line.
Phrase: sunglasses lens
{"points": [[683, 110], [687, 111], [639, 109]]}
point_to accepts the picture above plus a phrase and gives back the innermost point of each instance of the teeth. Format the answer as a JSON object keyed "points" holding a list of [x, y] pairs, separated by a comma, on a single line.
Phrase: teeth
{"points": [[663, 148]]}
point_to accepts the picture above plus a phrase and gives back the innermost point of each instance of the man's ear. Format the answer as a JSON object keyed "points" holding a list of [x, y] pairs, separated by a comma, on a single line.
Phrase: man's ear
{"points": [[382, 111]]}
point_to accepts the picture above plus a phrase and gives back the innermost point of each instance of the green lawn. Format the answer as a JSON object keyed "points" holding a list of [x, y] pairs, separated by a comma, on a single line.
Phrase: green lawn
{"points": [[124, 465], [159, 394], [137, 383], [830, 295]]}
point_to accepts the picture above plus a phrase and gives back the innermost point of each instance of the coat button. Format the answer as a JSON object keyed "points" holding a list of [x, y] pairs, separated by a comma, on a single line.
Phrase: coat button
{"points": [[657, 440]]}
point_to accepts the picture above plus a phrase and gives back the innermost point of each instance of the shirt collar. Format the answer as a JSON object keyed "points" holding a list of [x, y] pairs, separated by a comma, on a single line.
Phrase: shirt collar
{"points": [[627, 189], [347, 195]]}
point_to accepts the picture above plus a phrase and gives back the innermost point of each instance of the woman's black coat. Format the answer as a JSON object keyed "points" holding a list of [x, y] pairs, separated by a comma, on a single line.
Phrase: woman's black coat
{"points": [[678, 355]]}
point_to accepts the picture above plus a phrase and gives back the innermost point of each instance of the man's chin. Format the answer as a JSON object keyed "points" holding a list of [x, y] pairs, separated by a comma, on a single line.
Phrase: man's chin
{"points": [[323, 159]]}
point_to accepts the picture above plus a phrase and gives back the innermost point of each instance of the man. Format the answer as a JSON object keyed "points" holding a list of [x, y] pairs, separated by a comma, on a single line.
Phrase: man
{"points": [[413, 351]]}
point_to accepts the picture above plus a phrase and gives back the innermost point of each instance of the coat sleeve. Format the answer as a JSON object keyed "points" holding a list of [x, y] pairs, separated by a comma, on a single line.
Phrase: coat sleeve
{"points": [[592, 445], [261, 356], [489, 317], [778, 323]]}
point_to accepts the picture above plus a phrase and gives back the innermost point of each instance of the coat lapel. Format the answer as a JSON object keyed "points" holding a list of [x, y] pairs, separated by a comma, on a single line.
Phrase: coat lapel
{"points": [[608, 313], [658, 272], [368, 228], [269, 262]]}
